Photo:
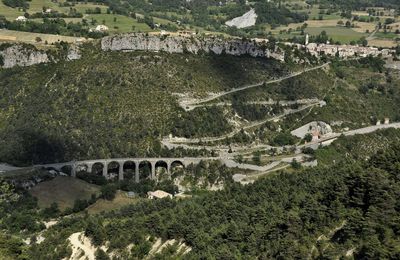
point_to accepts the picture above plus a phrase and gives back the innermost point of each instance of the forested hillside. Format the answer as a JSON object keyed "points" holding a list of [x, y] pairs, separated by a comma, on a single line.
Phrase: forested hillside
{"points": [[326, 212], [111, 104], [114, 104]]}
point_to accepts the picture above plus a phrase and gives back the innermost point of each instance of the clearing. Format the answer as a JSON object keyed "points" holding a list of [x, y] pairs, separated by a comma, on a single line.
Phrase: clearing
{"points": [[62, 190]]}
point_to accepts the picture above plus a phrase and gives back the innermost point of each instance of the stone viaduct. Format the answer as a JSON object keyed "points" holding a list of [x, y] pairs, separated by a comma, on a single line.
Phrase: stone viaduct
{"points": [[110, 168]]}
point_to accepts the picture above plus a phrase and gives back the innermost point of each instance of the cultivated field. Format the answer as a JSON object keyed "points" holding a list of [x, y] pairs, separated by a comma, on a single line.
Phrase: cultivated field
{"points": [[320, 21], [119, 23], [28, 37], [342, 34]]}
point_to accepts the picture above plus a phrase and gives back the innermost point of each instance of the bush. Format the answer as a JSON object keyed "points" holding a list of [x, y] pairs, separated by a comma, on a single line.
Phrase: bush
{"points": [[284, 139], [108, 191], [101, 255], [52, 211]]}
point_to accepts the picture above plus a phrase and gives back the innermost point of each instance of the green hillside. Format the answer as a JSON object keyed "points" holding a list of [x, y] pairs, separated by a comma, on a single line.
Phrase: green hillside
{"points": [[115, 104], [112, 104]]}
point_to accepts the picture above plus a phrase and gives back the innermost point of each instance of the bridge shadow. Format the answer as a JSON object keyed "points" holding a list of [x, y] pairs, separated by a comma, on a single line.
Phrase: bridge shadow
{"points": [[35, 148], [237, 71], [231, 69]]}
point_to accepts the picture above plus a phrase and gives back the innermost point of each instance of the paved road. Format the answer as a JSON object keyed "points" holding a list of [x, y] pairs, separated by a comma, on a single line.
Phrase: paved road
{"points": [[371, 129], [189, 104], [270, 102], [249, 148]]}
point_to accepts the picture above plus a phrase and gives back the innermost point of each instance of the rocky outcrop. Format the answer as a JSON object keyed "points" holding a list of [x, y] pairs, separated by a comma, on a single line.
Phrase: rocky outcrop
{"points": [[21, 55], [180, 44], [73, 53], [247, 20], [315, 128]]}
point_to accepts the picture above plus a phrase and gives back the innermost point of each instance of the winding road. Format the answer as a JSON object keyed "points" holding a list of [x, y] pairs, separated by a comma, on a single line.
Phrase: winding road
{"points": [[191, 105], [237, 130]]}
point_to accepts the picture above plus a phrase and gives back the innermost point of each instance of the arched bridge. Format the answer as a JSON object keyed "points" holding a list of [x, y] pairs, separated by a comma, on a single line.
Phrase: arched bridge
{"points": [[124, 167]]}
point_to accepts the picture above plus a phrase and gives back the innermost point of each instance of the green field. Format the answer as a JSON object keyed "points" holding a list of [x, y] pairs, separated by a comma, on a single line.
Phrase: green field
{"points": [[122, 23], [342, 34], [8, 12], [383, 35]]}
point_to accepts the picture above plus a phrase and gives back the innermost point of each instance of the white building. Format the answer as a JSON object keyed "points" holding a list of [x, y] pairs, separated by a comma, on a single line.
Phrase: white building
{"points": [[158, 194], [99, 28], [21, 18]]}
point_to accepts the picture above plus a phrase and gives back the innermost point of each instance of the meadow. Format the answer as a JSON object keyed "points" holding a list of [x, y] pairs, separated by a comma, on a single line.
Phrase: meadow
{"points": [[341, 34]]}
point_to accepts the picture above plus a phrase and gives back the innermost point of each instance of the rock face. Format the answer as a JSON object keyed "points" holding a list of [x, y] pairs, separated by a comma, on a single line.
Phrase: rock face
{"points": [[244, 21], [21, 55], [180, 44], [315, 128], [73, 53]]}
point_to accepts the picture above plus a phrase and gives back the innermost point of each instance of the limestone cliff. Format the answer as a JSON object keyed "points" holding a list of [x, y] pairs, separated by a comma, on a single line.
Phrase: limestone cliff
{"points": [[180, 44], [21, 55]]}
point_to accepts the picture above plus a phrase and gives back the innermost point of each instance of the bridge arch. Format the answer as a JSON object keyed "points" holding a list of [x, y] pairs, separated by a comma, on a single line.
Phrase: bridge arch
{"points": [[67, 169], [177, 164], [113, 170], [82, 167], [129, 168], [50, 168], [161, 170], [98, 168], [145, 170], [177, 168]]}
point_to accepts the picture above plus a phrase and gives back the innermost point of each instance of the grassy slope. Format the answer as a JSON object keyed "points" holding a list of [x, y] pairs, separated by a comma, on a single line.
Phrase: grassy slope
{"points": [[121, 25], [119, 201], [62, 190], [8, 12]]}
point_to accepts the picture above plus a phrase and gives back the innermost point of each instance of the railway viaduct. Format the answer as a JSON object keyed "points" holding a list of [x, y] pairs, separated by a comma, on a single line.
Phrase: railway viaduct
{"points": [[110, 168]]}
